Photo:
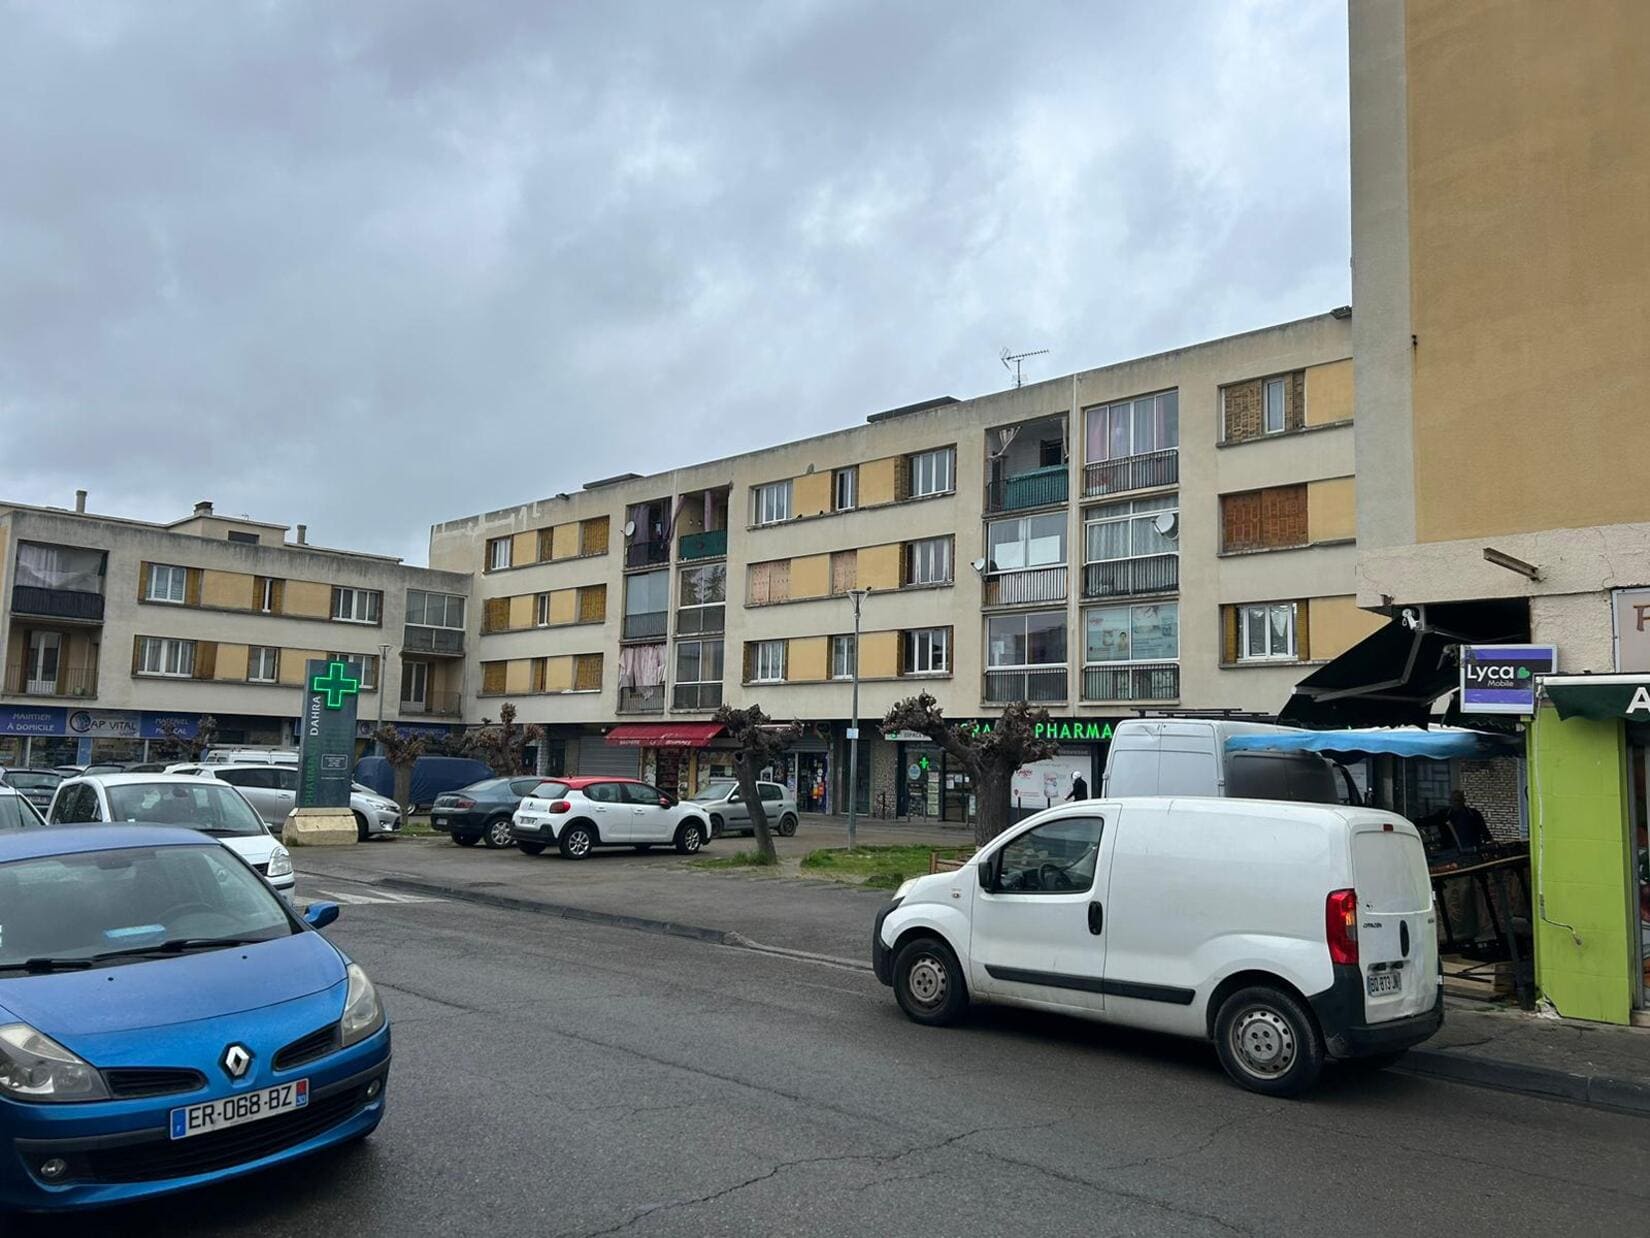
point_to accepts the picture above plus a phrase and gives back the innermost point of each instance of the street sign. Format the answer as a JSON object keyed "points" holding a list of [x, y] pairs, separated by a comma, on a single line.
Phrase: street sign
{"points": [[852, 732], [326, 743], [1501, 679]]}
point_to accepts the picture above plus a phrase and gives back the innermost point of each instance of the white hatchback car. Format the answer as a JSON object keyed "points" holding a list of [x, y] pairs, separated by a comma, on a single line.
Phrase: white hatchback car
{"points": [[580, 813], [212, 807]]}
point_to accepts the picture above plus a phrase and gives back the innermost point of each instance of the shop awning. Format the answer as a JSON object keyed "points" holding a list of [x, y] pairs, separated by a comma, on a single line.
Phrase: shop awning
{"points": [[664, 734], [1436, 743], [1602, 697]]}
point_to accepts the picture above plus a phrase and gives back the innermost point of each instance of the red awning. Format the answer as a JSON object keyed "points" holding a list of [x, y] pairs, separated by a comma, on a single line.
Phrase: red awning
{"points": [[664, 735]]}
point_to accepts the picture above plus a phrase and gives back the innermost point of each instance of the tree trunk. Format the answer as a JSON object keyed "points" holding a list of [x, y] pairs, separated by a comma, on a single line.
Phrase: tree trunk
{"points": [[744, 769], [403, 789], [992, 790]]}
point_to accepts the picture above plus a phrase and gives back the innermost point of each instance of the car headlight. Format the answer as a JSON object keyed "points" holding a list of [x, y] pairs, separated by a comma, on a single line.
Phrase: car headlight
{"points": [[904, 889], [280, 862], [35, 1067], [363, 1015]]}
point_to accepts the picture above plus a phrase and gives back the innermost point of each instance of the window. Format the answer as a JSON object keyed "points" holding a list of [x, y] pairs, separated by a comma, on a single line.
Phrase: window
{"points": [[928, 562], [698, 674], [842, 657], [1148, 633], [646, 603], [928, 651], [604, 793], [541, 610], [932, 472], [587, 672], [246, 539], [498, 553], [263, 664], [368, 664], [1274, 405], [702, 595], [1057, 858], [269, 595], [1266, 633], [435, 610], [844, 571], [1026, 542], [1131, 530], [768, 582], [159, 655], [592, 603], [768, 661], [845, 490], [167, 583], [1037, 639], [1051, 453], [1269, 519], [1133, 427], [356, 605], [771, 503], [492, 678]]}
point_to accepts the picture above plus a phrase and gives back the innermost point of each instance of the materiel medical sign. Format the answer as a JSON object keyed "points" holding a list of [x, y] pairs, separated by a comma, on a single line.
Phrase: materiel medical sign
{"points": [[1501, 679], [326, 733]]}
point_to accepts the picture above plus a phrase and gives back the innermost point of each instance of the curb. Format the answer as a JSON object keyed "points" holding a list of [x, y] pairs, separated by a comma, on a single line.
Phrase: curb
{"points": [[1595, 1091]]}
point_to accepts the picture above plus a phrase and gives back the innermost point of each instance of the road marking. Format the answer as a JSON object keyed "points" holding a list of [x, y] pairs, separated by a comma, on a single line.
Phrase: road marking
{"points": [[377, 896]]}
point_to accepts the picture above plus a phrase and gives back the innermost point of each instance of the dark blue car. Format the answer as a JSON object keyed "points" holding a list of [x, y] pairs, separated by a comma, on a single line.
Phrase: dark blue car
{"points": [[166, 1021]]}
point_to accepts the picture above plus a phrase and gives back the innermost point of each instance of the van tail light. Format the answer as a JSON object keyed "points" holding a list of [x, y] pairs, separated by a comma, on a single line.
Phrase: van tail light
{"points": [[1340, 924], [560, 806]]}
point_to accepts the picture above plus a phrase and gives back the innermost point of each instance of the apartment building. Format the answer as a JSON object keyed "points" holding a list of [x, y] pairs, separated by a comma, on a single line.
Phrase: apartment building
{"points": [[1172, 533], [112, 626]]}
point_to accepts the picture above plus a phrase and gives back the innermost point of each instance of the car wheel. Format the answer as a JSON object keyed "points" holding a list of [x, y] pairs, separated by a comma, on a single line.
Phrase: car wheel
{"points": [[466, 840], [576, 841], [497, 833], [1268, 1042], [360, 828], [715, 826], [690, 837], [928, 982], [787, 826], [530, 848]]}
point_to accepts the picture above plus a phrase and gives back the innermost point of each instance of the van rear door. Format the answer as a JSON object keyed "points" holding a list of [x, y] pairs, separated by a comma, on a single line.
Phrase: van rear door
{"points": [[1397, 929]]}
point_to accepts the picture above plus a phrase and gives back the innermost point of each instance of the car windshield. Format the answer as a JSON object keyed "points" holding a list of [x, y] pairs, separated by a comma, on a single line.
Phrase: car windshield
{"points": [[131, 903], [718, 788], [17, 813], [29, 779], [194, 803]]}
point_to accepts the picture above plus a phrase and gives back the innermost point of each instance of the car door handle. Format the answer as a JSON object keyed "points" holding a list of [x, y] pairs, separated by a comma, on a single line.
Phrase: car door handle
{"points": [[1097, 918]]}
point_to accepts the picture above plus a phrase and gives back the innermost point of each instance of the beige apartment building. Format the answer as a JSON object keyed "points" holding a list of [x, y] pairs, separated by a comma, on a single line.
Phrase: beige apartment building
{"points": [[1173, 533], [112, 626]]}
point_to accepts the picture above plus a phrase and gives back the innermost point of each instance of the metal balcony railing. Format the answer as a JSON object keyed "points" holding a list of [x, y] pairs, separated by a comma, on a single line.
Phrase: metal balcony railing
{"points": [[416, 638], [1038, 488], [701, 620], [709, 545], [1113, 578], [1038, 584], [648, 699], [1138, 682], [646, 554], [1143, 472], [692, 696], [645, 626], [1044, 684], [57, 603], [69, 681]]}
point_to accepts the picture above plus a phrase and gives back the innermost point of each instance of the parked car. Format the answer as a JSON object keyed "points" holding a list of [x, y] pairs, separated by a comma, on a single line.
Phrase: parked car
{"points": [[729, 814], [16, 812], [481, 811], [432, 777], [1288, 933], [36, 785], [251, 756], [577, 814], [200, 804], [273, 791], [150, 1043]]}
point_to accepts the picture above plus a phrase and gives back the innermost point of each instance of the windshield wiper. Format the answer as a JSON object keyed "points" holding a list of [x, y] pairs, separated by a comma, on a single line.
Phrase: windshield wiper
{"points": [[38, 965], [178, 945]]}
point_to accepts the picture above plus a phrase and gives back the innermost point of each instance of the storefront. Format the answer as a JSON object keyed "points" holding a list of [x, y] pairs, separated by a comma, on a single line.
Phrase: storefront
{"points": [[667, 753], [48, 735]]}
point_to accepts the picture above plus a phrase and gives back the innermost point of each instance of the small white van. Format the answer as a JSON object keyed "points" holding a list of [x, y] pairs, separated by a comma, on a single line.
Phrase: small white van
{"points": [[1286, 933], [1187, 756]]}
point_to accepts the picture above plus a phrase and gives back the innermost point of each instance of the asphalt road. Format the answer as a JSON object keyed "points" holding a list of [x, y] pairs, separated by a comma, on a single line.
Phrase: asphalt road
{"points": [[559, 1078]]}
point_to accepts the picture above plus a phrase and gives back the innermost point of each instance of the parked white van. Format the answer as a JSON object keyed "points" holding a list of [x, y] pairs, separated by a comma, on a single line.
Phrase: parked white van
{"points": [[1286, 933], [1187, 756]]}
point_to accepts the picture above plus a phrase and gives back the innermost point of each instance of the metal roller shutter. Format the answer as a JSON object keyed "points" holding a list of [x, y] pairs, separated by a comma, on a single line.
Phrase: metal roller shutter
{"points": [[597, 757]]}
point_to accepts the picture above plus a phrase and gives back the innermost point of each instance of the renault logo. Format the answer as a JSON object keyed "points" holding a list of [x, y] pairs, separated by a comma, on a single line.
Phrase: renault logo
{"points": [[236, 1060]]}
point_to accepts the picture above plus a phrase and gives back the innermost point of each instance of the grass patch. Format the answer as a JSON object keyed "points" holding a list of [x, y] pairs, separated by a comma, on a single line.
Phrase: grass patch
{"points": [[881, 868], [739, 859], [416, 827]]}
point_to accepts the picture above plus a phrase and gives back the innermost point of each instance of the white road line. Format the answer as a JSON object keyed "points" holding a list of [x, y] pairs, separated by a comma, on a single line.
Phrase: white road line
{"points": [[379, 896]]}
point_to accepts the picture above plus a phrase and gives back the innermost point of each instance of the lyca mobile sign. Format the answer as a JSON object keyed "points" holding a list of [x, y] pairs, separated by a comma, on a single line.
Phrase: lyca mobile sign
{"points": [[1501, 679]]}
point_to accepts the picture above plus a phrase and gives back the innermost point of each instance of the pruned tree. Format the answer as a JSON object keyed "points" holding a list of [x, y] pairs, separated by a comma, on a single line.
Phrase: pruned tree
{"points": [[500, 744], [181, 745], [757, 741], [401, 751], [990, 756]]}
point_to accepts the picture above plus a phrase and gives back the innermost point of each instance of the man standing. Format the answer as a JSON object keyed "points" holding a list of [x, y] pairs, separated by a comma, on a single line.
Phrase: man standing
{"points": [[1079, 788], [1466, 823]]}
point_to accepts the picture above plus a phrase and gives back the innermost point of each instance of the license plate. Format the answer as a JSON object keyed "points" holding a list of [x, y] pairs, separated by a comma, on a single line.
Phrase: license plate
{"points": [[227, 1111], [439, 821], [1383, 982]]}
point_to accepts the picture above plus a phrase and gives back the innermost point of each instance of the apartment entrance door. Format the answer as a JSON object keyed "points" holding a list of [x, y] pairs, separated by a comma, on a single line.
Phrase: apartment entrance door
{"points": [[44, 655], [415, 684]]}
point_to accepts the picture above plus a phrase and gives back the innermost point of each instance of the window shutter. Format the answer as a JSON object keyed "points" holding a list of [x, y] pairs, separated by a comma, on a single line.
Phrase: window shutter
{"points": [[278, 598], [750, 662], [844, 569], [1228, 634], [495, 617], [137, 641], [1303, 643], [587, 672], [538, 672], [902, 479], [546, 539], [206, 657], [257, 593], [756, 587], [1294, 401], [593, 536], [143, 581], [779, 580], [192, 586], [492, 678], [593, 604]]}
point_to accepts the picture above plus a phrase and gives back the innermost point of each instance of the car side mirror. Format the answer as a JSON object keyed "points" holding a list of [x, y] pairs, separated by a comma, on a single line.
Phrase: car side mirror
{"points": [[666, 802], [988, 876], [319, 915]]}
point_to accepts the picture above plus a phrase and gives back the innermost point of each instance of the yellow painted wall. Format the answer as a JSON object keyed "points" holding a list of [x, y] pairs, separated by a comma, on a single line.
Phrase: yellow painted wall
{"points": [[1331, 509], [811, 576], [5, 559], [1329, 392], [878, 655], [807, 659], [1337, 624], [1529, 194], [558, 674], [231, 662], [877, 481], [294, 662], [228, 590], [521, 611], [811, 494], [525, 548], [518, 675], [307, 599], [564, 605], [878, 566], [564, 541]]}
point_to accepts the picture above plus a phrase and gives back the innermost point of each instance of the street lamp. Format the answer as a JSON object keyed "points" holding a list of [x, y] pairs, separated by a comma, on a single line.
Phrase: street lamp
{"points": [[858, 595], [383, 685]]}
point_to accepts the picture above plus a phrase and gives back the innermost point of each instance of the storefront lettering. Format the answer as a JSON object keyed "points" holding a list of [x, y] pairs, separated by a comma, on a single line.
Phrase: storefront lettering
{"points": [[1082, 729], [1641, 700]]}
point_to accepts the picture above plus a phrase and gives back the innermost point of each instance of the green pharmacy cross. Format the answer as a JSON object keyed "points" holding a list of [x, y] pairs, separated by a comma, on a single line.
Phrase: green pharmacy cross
{"points": [[922, 763], [337, 684]]}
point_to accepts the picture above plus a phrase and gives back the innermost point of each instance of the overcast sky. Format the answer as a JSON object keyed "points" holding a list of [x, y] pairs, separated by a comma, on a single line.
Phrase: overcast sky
{"points": [[370, 264]]}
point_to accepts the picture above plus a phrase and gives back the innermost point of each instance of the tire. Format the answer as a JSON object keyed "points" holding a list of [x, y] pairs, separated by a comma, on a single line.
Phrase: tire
{"points": [[1269, 1042], [496, 833], [690, 836], [530, 848], [787, 826], [715, 826], [466, 840], [928, 982], [360, 828], [576, 841]]}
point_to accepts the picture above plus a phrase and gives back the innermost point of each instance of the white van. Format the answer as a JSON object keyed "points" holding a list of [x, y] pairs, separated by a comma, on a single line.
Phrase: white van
{"points": [[1286, 933], [1187, 756]]}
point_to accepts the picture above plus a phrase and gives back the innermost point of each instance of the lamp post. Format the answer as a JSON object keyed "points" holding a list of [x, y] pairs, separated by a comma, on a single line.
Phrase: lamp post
{"points": [[383, 684], [858, 595]]}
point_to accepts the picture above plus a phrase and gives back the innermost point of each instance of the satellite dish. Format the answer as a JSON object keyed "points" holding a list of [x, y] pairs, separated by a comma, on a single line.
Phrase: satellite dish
{"points": [[978, 565], [1168, 524], [630, 528]]}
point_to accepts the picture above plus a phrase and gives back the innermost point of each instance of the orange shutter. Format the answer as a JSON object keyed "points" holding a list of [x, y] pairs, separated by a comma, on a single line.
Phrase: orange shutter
{"points": [[1228, 634], [206, 656], [495, 615], [492, 678], [137, 641], [593, 604], [192, 586], [593, 536], [143, 581], [1303, 631], [587, 672]]}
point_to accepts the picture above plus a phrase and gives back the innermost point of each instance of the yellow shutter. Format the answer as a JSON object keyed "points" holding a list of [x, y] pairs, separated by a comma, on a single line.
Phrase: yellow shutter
{"points": [[1228, 634], [807, 659], [877, 484], [564, 541], [492, 678], [593, 536], [1303, 634], [232, 662], [811, 494], [878, 655], [192, 586], [558, 674], [206, 659], [525, 548], [587, 672], [521, 611], [495, 614], [810, 576], [879, 567], [143, 581], [564, 606], [593, 604], [547, 545], [137, 641]]}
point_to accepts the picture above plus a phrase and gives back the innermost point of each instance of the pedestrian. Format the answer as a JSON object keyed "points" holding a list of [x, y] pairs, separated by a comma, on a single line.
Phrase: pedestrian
{"points": [[1466, 823], [1079, 788]]}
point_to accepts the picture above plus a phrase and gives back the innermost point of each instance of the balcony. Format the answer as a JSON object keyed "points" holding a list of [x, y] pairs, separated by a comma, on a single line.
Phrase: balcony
{"points": [[711, 545], [416, 638], [1036, 684], [1043, 487], [648, 626], [71, 604], [648, 699], [1038, 584], [697, 696], [1139, 682], [77, 682], [1115, 578], [1144, 472], [646, 554], [435, 705], [701, 620]]}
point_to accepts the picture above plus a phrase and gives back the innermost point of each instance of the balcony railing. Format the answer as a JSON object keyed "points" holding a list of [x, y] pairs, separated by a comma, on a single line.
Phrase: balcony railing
{"points": [[57, 603], [647, 626], [416, 638], [692, 696], [709, 545], [648, 699], [69, 681], [435, 705], [1038, 488], [646, 554], [1144, 472], [1115, 578], [1027, 683], [701, 620], [1140, 682], [1038, 584]]}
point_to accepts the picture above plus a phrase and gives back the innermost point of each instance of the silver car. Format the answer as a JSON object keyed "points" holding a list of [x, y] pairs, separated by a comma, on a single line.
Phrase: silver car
{"points": [[273, 791], [729, 814]]}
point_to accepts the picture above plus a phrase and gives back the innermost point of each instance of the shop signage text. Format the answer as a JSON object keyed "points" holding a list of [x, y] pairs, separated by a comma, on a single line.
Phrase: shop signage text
{"points": [[1083, 730], [1501, 679], [1632, 629]]}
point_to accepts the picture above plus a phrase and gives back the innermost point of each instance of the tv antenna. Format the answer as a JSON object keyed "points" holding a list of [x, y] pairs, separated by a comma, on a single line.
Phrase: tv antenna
{"points": [[1011, 361]]}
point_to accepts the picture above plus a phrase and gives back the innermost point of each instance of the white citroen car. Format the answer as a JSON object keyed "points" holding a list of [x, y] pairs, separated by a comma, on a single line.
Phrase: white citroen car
{"points": [[577, 814]]}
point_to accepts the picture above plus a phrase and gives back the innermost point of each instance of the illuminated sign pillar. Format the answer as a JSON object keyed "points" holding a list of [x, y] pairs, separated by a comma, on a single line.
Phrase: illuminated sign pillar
{"points": [[326, 754]]}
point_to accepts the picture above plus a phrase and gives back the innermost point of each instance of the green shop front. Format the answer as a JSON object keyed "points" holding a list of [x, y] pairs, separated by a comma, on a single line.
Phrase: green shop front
{"points": [[931, 784]]}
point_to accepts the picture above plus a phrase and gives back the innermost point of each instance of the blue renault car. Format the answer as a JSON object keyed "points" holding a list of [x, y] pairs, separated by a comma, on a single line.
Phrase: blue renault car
{"points": [[167, 1021]]}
